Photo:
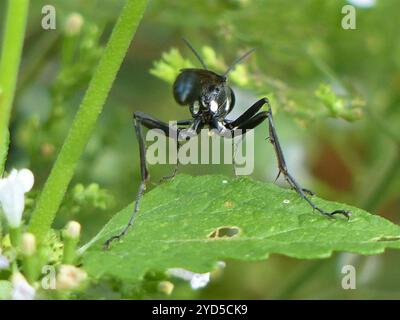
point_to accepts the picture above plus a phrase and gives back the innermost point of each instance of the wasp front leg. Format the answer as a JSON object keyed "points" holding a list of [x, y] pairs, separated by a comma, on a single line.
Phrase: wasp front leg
{"points": [[141, 119]]}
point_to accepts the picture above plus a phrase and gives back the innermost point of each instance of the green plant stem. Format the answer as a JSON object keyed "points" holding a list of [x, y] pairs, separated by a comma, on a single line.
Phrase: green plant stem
{"points": [[300, 278], [15, 236], [37, 56], [383, 184], [70, 247], [29, 267], [391, 171], [13, 40], [68, 50], [85, 120]]}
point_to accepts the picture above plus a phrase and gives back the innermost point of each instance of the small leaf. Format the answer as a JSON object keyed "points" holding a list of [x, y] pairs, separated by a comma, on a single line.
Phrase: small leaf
{"points": [[339, 107], [194, 222], [170, 65]]}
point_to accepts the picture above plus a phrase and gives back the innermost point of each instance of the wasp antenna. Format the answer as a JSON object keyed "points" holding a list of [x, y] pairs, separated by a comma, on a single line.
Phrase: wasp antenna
{"points": [[195, 53], [238, 60]]}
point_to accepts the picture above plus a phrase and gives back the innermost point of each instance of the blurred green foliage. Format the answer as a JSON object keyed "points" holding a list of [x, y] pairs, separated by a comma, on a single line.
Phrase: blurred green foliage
{"points": [[309, 66], [172, 62]]}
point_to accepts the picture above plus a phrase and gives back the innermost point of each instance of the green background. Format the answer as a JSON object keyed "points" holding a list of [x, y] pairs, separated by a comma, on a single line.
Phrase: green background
{"points": [[300, 45]]}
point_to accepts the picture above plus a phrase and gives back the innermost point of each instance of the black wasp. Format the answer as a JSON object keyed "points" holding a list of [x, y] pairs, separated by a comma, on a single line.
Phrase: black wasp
{"points": [[210, 100]]}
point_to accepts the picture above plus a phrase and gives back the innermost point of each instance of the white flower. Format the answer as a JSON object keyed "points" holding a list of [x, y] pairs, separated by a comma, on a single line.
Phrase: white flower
{"points": [[22, 290], [4, 263], [197, 280], [362, 3], [12, 195]]}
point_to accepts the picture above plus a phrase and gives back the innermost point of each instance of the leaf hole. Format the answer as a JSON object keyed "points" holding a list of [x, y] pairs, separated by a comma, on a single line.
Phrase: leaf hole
{"points": [[224, 232]]}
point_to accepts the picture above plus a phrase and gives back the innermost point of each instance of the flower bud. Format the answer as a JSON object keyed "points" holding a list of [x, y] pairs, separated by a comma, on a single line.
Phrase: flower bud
{"points": [[28, 244], [166, 287], [70, 277], [71, 235], [73, 24], [73, 230], [29, 259]]}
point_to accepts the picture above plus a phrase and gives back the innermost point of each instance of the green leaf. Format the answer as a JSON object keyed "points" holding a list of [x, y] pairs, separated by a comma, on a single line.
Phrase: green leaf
{"points": [[5, 290], [178, 223]]}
